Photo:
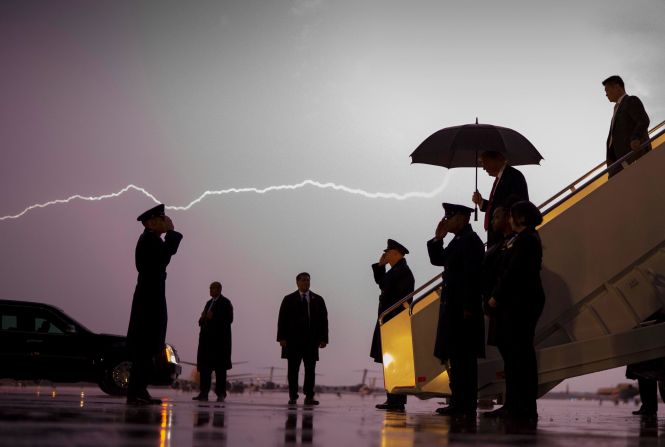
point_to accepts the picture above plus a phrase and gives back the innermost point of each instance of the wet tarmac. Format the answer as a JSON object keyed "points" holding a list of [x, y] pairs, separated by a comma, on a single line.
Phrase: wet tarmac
{"points": [[71, 416]]}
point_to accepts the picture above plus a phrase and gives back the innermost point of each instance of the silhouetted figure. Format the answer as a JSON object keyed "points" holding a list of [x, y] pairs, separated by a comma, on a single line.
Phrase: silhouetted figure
{"points": [[648, 387], [214, 352], [395, 284], [302, 328], [461, 328], [492, 265], [509, 184], [629, 128], [147, 323], [518, 299]]}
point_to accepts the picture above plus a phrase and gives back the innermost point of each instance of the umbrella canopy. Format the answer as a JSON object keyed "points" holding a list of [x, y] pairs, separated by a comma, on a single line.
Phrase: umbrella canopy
{"points": [[460, 146]]}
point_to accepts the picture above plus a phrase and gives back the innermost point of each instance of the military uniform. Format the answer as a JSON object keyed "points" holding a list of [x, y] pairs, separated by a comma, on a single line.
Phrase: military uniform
{"points": [[461, 327], [395, 284], [146, 333]]}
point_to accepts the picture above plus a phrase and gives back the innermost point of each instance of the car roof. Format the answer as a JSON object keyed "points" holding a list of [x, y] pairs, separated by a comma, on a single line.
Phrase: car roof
{"points": [[30, 303], [36, 304]]}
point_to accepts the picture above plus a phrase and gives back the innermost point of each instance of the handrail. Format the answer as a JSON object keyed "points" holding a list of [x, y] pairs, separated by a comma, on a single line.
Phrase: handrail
{"points": [[419, 299], [574, 187], [403, 300]]}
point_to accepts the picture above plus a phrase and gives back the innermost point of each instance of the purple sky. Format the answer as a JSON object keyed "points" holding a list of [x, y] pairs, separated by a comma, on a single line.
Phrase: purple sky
{"points": [[183, 98]]}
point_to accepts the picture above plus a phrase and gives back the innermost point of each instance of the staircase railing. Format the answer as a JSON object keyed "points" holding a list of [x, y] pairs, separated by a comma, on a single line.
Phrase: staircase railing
{"points": [[594, 174], [563, 195]]}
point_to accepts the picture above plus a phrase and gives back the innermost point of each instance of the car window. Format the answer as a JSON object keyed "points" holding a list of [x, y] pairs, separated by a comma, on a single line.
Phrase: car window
{"points": [[8, 322], [45, 326], [31, 320]]}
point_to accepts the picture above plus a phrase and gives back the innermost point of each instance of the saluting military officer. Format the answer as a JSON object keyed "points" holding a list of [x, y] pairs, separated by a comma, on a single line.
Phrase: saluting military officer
{"points": [[395, 284], [147, 323], [461, 327]]}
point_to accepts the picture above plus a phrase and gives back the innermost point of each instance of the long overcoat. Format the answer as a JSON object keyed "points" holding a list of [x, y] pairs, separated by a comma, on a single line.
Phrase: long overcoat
{"points": [[215, 335], [148, 318], [395, 284], [490, 273], [302, 339], [519, 291], [461, 292]]}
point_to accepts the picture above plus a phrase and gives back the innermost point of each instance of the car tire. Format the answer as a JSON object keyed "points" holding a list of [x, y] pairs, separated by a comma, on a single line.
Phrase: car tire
{"points": [[115, 378]]}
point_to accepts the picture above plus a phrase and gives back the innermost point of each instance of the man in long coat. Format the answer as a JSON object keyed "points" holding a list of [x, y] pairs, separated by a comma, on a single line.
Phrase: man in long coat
{"points": [[395, 284], [461, 327], [302, 328], [214, 352], [146, 334]]}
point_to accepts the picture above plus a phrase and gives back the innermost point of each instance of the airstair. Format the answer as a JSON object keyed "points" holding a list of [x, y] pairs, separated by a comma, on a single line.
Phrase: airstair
{"points": [[603, 274]]}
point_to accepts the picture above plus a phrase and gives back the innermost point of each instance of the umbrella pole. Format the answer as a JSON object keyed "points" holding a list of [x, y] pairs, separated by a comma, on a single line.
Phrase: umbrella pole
{"points": [[475, 217]]}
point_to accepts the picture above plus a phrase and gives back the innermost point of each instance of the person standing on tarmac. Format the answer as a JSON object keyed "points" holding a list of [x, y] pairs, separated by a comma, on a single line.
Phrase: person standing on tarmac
{"points": [[395, 284], [146, 334], [461, 328], [214, 351], [518, 300]]}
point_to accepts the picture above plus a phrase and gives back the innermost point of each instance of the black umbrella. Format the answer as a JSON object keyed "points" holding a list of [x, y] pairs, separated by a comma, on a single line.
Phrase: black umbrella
{"points": [[460, 146]]}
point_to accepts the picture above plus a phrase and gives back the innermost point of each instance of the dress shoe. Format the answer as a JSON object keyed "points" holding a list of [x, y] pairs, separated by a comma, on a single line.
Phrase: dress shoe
{"points": [[390, 406], [311, 401], [221, 398], [293, 401], [201, 397], [644, 411], [498, 413]]}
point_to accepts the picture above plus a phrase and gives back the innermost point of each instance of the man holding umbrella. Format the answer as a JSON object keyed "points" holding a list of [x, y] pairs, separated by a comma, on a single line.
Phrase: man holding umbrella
{"points": [[497, 148], [508, 182]]}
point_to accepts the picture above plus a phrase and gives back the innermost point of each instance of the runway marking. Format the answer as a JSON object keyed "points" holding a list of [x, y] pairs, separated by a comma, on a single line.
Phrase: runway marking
{"points": [[304, 183]]}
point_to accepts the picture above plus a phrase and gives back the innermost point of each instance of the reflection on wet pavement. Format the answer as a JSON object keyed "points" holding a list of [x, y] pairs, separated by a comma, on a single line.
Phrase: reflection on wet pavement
{"points": [[75, 416]]}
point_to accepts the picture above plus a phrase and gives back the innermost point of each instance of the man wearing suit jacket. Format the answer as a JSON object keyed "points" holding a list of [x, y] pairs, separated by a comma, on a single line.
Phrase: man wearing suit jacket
{"points": [[629, 126], [302, 328], [509, 186]]}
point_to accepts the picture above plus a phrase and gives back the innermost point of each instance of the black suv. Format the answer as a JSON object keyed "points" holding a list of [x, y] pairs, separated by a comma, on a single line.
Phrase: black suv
{"points": [[39, 341]]}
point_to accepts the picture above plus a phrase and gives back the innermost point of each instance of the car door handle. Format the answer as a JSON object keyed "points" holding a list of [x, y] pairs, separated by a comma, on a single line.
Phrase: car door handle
{"points": [[34, 340]]}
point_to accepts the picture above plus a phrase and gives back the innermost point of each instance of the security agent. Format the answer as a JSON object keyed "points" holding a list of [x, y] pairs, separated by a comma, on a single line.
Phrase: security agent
{"points": [[461, 327]]}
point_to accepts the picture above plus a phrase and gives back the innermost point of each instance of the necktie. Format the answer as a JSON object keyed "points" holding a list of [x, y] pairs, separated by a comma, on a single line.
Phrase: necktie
{"points": [[305, 308], [488, 210]]}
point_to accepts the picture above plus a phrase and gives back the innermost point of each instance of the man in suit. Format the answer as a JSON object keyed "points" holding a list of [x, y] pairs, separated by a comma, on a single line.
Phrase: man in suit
{"points": [[461, 327], [395, 284], [509, 184], [302, 328], [629, 127], [214, 352], [492, 265], [147, 322]]}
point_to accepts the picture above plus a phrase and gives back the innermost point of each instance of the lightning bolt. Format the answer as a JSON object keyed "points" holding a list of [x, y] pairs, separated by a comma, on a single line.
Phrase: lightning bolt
{"points": [[304, 183]]}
